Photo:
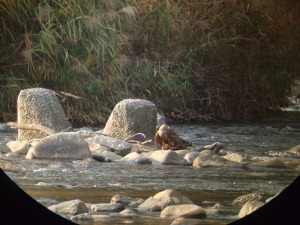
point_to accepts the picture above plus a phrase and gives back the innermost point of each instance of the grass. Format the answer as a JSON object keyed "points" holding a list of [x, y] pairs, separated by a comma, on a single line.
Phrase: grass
{"points": [[195, 59]]}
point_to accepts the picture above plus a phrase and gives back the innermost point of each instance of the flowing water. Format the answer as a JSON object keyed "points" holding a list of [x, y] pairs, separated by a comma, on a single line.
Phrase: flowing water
{"points": [[95, 182]]}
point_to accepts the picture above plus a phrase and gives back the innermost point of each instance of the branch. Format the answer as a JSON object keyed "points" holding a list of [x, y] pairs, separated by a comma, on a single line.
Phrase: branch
{"points": [[39, 127]]}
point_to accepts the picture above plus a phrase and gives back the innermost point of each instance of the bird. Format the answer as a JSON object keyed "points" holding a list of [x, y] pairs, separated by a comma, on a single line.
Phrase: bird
{"points": [[169, 139]]}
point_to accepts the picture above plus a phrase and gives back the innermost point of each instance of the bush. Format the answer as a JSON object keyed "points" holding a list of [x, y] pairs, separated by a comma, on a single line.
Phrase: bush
{"points": [[195, 59]]}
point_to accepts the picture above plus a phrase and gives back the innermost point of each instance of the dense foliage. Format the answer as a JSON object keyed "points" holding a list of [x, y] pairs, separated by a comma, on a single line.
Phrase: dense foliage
{"points": [[195, 59]]}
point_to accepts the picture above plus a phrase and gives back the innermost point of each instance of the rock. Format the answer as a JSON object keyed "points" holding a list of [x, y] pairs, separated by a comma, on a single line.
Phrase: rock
{"points": [[105, 143], [249, 207], [239, 201], [184, 211], [272, 163], [69, 145], [106, 156], [128, 212], [191, 156], [163, 199], [73, 207], [167, 157], [4, 128], [215, 147], [295, 150], [83, 217], [40, 106], [127, 201], [183, 152], [19, 147], [47, 202], [212, 160], [113, 207], [235, 157], [135, 157], [186, 221], [132, 116]]}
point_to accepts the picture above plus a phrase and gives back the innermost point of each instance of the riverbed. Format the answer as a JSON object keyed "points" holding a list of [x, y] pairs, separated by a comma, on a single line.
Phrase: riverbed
{"points": [[95, 182]]}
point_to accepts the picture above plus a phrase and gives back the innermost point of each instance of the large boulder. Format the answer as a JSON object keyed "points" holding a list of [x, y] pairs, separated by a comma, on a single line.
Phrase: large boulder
{"points": [[40, 106], [132, 116], [163, 199], [184, 211], [105, 143], [73, 207], [70, 145], [167, 157]]}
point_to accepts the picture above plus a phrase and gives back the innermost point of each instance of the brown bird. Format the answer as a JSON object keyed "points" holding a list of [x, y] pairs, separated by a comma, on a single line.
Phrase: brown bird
{"points": [[167, 136]]}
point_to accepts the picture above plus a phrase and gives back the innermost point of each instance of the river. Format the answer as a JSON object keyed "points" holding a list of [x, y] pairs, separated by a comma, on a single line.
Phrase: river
{"points": [[95, 182]]}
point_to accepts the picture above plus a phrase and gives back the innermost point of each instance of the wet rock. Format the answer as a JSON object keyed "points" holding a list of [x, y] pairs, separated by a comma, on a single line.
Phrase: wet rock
{"points": [[163, 199], [40, 106], [127, 201], [69, 145], [132, 116], [105, 143], [249, 207], [128, 213], [73, 207], [83, 217], [235, 157], [272, 163], [212, 160], [295, 150], [184, 211], [191, 156], [167, 157], [19, 147], [185, 221], [241, 200], [106, 156], [113, 207]]}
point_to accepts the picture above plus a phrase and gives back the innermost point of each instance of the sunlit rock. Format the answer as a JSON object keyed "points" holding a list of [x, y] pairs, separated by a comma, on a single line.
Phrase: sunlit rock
{"points": [[73, 207], [184, 211], [295, 150], [163, 199], [40, 106], [167, 157], [104, 207], [241, 200], [236, 157], [132, 116], [249, 207], [212, 160], [19, 147], [127, 201]]}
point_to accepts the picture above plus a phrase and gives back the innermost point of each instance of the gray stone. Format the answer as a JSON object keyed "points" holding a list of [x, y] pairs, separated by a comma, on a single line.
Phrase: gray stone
{"points": [[167, 157], [132, 116], [127, 201], [272, 163], [19, 147], [249, 207], [40, 106], [69, 145], [113, 207], [163, 199], [83, 217], [107, 156], [212, 160], [105, 143], [73, 207], [184, 211], [135, 157], [191, 156]]}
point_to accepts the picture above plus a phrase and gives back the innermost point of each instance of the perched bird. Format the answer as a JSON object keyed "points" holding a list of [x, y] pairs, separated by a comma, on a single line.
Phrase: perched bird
{"points": [[165, 136]]}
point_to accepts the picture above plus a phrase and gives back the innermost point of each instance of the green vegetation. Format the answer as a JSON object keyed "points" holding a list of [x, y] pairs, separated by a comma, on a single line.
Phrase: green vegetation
{"points": [[195, 59]]}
